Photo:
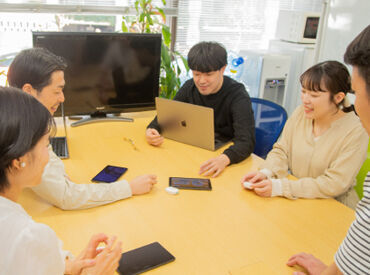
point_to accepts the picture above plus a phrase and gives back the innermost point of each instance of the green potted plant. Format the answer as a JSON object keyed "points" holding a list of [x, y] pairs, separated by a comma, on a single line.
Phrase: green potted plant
{"points": [[151, 19]]}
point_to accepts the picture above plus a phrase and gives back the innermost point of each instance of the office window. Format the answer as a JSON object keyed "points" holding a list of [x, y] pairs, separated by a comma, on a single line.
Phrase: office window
{"points": [[18, 19], [237, 24]]}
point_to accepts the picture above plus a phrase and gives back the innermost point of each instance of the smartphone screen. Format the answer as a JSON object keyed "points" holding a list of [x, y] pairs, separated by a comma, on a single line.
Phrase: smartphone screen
{"points": [[144, 258], [109, 174], [191, 183]]}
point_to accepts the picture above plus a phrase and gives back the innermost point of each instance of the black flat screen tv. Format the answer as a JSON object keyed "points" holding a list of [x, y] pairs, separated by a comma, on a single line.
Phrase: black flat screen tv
{"points": [[107, 72]]}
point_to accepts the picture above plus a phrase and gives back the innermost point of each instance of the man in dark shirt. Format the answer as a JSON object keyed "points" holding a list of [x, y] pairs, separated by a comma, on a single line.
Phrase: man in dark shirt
{"points": [[233, 115]]}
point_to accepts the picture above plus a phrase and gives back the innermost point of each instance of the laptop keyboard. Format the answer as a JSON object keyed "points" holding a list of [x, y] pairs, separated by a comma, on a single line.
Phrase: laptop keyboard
{"points": [[59, 145]]}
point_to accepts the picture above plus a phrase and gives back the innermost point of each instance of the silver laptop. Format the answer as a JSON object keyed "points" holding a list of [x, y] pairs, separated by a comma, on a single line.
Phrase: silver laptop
{"points": [[187, 123], [59, 144]]}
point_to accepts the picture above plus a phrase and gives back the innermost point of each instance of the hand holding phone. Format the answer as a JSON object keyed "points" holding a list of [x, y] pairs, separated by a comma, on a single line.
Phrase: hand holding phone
{"points": [[109, 174]]}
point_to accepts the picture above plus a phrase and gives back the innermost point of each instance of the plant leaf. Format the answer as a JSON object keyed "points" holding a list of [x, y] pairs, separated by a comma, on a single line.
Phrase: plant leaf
{"points": [[161, 13], [124, 26], [141, 18], [166, 35], [185, 61], [149, 19], [142, 4]]}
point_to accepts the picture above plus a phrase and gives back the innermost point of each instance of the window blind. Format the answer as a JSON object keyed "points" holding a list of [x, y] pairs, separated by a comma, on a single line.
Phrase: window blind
{"points": [[79, 6], [237, 24]]}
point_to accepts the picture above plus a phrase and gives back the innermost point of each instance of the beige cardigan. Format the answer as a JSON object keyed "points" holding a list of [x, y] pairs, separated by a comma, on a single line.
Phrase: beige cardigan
{"points": [[326, 167]]}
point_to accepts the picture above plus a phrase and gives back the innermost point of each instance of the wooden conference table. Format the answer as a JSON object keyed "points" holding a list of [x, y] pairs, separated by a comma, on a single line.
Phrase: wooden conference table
{"points": [[224, 231]]}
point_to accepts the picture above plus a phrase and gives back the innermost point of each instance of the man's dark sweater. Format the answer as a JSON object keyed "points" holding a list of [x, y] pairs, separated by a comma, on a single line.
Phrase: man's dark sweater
{"points": [[233, 115]]}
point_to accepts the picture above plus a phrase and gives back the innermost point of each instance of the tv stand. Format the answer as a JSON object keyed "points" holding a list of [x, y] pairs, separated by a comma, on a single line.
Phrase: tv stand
{"points": [[98, 117]]}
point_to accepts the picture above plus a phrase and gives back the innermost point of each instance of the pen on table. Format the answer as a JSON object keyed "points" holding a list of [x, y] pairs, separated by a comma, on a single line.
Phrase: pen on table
{"points": [[131, 142]]}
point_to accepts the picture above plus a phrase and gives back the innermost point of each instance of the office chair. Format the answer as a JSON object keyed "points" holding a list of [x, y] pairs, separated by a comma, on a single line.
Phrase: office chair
{"points": [[269, 120]]}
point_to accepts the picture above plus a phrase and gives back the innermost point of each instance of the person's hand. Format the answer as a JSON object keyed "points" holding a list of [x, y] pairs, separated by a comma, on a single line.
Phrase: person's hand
{"points": [[214, 166], [153, 137], [107, 260], [142, 184], [313, 265], [253, 177], [263, 188], [87, 256]]}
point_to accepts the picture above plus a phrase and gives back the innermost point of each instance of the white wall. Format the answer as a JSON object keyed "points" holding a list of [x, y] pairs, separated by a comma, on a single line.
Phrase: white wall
{"points": [[343, 21]]}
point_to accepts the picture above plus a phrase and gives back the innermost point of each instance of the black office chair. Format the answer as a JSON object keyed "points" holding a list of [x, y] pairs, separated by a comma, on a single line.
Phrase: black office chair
{"points": [[269, 119]]}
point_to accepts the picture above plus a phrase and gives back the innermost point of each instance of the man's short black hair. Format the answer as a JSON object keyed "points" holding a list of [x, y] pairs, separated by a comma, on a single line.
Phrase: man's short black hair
{"points": [[358, 54], [207, 57], [34, 66]]}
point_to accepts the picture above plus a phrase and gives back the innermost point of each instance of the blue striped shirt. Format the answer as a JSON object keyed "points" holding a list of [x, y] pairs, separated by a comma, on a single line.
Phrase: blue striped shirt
{"points": [[353, 255]]}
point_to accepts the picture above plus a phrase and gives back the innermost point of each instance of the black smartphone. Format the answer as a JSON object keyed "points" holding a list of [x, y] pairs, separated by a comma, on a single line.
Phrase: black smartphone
{"points": [[144, 258], [191, 183], [109, 174]]}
